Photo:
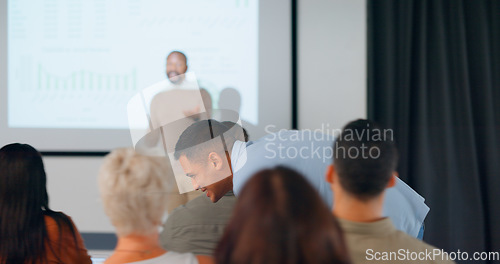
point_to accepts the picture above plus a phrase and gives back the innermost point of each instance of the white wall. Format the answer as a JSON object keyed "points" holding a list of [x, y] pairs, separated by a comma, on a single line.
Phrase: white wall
{"points": [[331, 62], [72, 187], [332, 91]]}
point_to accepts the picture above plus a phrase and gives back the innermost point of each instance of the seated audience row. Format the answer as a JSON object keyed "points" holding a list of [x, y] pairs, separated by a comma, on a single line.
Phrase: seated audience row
{"points": [[280, 216], [217, 163]]}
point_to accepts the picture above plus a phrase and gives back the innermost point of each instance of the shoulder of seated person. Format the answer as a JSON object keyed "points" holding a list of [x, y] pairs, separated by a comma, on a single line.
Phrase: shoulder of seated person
{"points": [[394, 241], [53, 228], [203, 259], [200, 206], [202, 202], [416, 244], [49, 220]]}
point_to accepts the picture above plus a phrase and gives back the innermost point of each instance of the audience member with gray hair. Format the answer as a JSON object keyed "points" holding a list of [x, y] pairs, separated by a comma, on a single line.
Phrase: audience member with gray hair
{"points": [[134, 192]]}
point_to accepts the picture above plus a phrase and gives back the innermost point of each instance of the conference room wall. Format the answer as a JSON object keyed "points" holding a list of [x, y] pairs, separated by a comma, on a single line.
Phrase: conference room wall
{"points": [[72, 187], [331, 63], [331, 89]]}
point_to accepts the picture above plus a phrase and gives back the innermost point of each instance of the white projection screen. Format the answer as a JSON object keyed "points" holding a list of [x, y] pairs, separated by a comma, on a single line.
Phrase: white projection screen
{"points": [[68, 68]]}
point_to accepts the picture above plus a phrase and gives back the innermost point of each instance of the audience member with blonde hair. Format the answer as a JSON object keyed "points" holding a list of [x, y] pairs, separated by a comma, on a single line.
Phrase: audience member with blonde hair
{"points": [[134, 192]]}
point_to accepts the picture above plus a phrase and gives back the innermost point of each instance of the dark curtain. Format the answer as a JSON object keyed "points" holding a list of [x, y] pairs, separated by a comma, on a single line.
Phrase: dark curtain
{"points": [[434, 77]]}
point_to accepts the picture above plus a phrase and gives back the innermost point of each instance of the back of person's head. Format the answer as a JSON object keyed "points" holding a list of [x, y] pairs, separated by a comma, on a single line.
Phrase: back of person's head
{"points": [[134, 191], [279, 218], [365, 158], [22, 177], [200, 138], [23, 195], [23, 205], [236, 131]]}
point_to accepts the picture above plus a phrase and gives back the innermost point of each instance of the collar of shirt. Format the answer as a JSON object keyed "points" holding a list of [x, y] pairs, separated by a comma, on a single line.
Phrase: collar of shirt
{"points": [[239, 155], [377, 228]]}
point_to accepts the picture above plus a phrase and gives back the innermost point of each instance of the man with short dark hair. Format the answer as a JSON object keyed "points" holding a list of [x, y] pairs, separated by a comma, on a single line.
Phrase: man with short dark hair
{"points": [[205, 159], [359, 185], [198, 225], [217, 163]]}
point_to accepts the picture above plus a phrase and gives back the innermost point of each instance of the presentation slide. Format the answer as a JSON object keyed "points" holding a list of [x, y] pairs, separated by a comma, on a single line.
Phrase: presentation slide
{"points": [[76, 64], [70, 69]]}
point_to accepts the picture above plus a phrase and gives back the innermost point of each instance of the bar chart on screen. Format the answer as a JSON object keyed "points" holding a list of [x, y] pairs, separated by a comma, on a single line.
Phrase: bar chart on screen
{"points": [[84, 80], [90, 57]]}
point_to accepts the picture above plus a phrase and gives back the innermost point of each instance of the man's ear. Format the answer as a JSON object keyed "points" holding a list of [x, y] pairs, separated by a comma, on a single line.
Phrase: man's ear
{"points": [[330, 171], [392, 181], [215, 161]]}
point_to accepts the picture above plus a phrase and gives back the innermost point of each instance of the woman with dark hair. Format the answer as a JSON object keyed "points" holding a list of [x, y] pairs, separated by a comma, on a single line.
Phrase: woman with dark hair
{"points": [[279, 218], [30, 232]]}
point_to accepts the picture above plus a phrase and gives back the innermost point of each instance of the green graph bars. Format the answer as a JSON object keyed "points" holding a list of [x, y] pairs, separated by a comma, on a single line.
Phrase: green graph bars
{"points": [[83, 80]]}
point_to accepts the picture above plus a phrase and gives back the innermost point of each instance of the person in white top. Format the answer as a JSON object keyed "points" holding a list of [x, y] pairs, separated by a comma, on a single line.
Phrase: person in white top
{"points": [[134, 193]]}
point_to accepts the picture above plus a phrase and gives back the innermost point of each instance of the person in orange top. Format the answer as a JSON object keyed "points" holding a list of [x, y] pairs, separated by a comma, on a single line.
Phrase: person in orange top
{"points": [[135, 191], [30, 232]]}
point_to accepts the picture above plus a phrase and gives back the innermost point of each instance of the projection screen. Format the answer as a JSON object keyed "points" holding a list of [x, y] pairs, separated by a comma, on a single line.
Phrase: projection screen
{"points": [[69, 68]]}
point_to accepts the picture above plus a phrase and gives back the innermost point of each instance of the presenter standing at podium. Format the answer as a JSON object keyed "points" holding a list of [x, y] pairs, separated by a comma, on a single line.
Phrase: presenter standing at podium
{"points": [[174, 98]]}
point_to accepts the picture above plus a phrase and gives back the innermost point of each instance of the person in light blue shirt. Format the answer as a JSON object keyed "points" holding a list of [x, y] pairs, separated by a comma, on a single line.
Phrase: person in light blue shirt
{"points": [[217, 163]]}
